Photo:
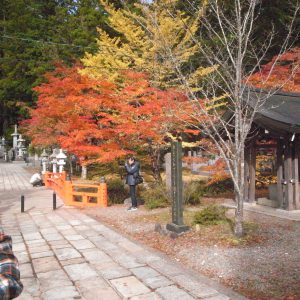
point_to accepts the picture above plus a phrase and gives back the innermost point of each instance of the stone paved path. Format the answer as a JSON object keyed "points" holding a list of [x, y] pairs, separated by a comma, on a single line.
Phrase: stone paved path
{"points": [[66, 255]]}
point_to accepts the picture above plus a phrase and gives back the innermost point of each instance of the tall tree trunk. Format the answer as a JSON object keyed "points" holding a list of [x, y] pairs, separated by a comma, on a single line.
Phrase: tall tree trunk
{"points": [[238, 227], [155, 163]]}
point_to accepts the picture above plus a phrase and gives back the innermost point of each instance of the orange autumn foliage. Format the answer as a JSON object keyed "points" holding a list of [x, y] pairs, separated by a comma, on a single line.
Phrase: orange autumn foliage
{"points": [[100, 121], [282, 73]]}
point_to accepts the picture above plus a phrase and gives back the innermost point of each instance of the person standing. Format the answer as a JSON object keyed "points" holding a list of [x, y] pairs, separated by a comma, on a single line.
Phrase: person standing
{"points": [[132, 167]]}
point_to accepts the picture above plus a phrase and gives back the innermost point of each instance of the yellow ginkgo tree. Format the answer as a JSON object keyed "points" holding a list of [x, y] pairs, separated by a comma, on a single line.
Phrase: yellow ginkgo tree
{"points": [[144, 37]]}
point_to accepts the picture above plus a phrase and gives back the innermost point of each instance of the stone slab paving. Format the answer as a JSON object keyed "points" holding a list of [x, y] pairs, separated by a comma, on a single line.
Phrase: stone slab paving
{"points": [[65, 254]]}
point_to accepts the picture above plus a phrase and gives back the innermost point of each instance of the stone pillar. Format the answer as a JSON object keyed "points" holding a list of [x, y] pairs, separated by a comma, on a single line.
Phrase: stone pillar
{"points": [[168, 170], [252, 170], [279, 163], [177, 224], [288, 176], [295, 171]]}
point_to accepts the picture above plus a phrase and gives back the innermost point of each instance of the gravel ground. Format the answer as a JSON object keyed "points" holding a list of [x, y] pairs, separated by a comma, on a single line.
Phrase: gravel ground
{"points": [[266, 266]]}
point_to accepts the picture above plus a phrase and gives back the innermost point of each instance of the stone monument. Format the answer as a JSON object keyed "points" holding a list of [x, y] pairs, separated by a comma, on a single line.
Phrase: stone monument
{"points": [[177, 224]]}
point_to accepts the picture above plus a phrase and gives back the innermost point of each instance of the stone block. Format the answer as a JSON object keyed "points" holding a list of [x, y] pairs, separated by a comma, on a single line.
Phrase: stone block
{"points": [[96, 256], [59, 244], [19, 247], [100, 293], [80, 271], [74, 237], [173, 293], [195, 287], [82, 244], [53, 237], [66, 253], [127, 261], [144, 272], [45, 264], [165, 268], [73, 261], [129, 286], [157, 282], [26, 270], [42, 254], [84, 285], [32, 236], [219, 297], [31, 286], [68, 292], [151, 296], [114, 272], [22, 257], [130, 246], [48, 230], [37, 249], [53, 279], [63, 227]]}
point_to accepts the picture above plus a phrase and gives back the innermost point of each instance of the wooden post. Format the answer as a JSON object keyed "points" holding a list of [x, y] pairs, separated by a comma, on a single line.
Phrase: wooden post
{"points": [[247, 177], [252, 175], [288, 176], [296, 174], [279, 166]]}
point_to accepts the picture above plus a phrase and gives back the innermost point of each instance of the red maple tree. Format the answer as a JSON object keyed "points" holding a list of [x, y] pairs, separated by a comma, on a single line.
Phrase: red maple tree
{"points": [[99, 121]]}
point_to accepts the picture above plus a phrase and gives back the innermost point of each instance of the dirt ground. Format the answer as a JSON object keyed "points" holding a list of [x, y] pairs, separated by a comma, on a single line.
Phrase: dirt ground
{"points": [[264, 265]]}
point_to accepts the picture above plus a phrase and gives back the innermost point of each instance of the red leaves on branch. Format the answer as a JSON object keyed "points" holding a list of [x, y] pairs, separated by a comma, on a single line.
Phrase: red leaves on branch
{"points": [[282, 73]]}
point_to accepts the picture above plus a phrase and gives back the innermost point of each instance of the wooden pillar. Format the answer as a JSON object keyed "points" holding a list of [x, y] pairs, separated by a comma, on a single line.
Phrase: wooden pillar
{"points": [[279, 166], [288, 176], [252, 175], [246, 170], [295, 167]]}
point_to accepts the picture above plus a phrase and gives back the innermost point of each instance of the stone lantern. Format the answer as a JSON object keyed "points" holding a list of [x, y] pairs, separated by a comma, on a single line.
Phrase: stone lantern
{"points": [[61, 160], [21, 146], [15, 136], [53, 161], [44, 156]]}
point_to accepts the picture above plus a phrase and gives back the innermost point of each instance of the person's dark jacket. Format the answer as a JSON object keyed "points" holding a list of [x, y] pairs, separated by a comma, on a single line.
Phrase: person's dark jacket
{"points": [[10, 284], [132, 172]]}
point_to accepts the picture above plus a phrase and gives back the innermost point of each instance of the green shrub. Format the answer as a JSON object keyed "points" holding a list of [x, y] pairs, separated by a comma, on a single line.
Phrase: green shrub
{"points": [[193, 191], [155, 197], [210, 215], [116, 190]]}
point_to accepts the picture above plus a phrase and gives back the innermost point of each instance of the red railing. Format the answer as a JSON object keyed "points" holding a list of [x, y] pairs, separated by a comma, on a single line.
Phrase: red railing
{"points": [[77, 194]]}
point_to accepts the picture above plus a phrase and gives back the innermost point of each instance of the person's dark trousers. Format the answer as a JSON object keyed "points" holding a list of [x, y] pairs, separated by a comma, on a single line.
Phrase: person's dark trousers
{"points": [[133, 195]]}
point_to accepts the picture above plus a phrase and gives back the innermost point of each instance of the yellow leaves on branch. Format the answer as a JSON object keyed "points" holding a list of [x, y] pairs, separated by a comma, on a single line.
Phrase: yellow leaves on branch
{"points": [[154, 41]]}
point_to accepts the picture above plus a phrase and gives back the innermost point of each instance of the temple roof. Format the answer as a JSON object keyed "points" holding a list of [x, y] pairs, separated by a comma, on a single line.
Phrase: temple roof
{"points": [[280, 113]]}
